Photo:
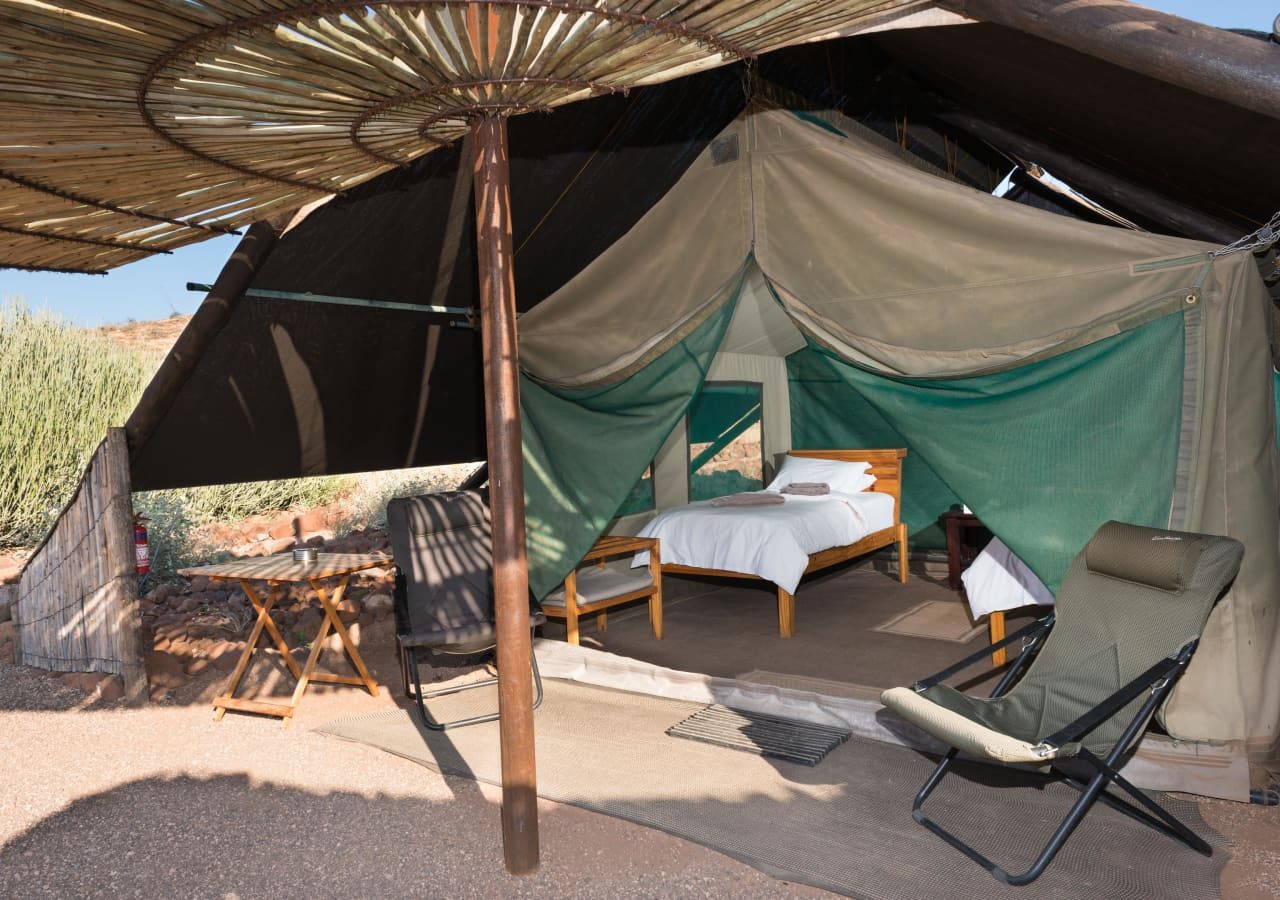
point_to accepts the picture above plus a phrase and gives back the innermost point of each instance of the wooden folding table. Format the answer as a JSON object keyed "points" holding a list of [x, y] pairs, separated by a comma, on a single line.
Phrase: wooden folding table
{"points": [[278, 572]]}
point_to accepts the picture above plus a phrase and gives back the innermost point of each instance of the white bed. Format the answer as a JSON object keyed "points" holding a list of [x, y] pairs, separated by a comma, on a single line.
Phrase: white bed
{"points": [[781, 543], [770, 542]]}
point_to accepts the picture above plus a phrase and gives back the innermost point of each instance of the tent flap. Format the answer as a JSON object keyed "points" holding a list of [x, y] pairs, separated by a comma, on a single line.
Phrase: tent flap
{"points": [[585, 447], [1044, 453]]}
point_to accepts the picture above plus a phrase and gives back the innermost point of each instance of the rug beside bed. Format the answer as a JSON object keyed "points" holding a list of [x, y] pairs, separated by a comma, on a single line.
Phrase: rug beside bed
{"points": [[844, 825]]}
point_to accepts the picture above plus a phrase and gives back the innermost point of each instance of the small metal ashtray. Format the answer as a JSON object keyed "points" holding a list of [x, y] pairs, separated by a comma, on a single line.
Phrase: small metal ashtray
{"points": [[304, 554]]}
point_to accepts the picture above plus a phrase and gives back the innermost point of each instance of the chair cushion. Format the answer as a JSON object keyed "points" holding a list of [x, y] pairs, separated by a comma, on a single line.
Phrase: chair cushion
{"points": [[966, 734], [442, 544], [1161, 559], [596, 584], [1116, 618]]}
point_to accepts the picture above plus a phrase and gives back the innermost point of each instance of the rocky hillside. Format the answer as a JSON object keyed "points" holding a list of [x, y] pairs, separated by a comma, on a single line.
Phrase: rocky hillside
{"points": [[150, 337]]}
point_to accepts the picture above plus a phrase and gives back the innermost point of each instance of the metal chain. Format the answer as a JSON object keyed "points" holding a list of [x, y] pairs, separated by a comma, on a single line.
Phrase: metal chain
{"points": [[1265, 236]]}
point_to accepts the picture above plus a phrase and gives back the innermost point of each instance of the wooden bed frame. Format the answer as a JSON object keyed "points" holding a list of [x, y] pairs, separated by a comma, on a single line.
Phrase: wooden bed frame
{"points": [[886, 465]]}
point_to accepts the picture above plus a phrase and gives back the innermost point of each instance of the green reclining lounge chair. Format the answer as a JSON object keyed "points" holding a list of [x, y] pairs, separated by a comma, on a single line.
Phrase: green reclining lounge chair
{"points": [[1127, 620]]}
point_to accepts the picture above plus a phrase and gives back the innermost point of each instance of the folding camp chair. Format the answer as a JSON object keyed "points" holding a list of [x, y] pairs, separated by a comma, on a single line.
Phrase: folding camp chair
{"points": [[444, 589], [1127, 620]]}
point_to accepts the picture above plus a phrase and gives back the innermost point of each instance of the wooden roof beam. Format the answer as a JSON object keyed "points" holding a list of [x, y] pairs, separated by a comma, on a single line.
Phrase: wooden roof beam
{"points": [[1211, 61]]}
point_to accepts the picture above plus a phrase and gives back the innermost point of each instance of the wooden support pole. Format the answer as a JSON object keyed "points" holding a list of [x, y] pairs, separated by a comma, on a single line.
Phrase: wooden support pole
{"points": [[1230, 67], [506, 495], [214, 313]]}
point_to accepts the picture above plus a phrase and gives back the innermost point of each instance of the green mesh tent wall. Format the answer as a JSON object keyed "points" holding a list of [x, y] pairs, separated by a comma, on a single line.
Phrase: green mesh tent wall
{"points": [[1051, 374]]}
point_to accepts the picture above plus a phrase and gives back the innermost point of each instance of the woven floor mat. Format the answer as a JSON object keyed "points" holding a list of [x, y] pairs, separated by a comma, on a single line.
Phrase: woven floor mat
{"points": [[939, 620], [845, 825]]}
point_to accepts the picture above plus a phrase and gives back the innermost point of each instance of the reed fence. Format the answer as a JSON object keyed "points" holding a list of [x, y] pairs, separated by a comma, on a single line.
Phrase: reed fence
{"points": [[77, 608]]}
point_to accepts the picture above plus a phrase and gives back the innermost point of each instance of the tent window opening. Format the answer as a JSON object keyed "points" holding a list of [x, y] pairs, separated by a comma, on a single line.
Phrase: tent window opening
{"points": [[640, 498], [726, 450]]}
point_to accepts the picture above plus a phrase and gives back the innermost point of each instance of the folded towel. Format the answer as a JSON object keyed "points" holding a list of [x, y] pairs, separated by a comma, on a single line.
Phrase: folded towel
{"points": [[808, 488], [750, 499]]}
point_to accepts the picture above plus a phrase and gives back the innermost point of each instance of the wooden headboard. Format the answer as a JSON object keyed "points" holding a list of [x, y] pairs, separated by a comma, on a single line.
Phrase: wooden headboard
{"points": [[886, 465]]}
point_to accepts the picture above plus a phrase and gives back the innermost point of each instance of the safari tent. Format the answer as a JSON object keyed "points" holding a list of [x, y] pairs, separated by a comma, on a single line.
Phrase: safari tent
{"points": [[1048, 371]]}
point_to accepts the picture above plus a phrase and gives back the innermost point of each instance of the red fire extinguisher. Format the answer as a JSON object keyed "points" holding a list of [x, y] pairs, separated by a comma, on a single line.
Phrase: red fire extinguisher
{"points": [[140, 545]]}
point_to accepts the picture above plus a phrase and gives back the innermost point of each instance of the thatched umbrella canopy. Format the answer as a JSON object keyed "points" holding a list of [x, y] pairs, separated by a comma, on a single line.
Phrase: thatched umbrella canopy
{"points": [[135, 126]]}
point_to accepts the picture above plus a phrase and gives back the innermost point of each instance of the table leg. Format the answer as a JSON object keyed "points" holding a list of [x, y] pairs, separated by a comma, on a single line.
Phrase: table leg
{"points": [[264, 619], [995, 624], [308, 670], [274, 591], [330, 605]]}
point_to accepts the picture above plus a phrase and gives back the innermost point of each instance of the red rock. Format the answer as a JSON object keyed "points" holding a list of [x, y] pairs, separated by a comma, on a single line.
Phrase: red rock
{"points": [[281, 528], [71, 679], [197, 666], [309, 622], [180, 646], [90, 681], [349, 610], [164, 670], [225, 655], [159, 694], [314, 519], [199, 583], [162, 644], [111, 689], [378, 604], [279, 545]]}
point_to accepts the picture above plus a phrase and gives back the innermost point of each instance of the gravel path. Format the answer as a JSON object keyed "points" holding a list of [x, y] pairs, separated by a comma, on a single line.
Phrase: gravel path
{"points": [[164, 802], [99, 800]]}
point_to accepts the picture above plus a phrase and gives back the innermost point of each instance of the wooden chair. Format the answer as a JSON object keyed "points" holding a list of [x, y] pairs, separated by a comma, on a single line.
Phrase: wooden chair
{"points": [[593, 590]]}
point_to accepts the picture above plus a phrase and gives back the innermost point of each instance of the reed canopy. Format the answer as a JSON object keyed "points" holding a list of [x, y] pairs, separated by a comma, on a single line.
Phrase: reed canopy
{"points": [[136, 126]]}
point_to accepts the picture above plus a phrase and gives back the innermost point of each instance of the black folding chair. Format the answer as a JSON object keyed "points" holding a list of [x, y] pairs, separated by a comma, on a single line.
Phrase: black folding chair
{"points": [[444, 590], [1127, 620]]}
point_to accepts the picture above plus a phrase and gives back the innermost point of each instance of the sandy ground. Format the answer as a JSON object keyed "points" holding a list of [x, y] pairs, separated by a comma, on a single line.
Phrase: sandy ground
{"points": [[162, 801]]}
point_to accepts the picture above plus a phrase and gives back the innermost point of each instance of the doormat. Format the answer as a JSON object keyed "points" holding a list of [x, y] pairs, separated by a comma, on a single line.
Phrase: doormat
{"points": [[939, 620], [785, 739]]}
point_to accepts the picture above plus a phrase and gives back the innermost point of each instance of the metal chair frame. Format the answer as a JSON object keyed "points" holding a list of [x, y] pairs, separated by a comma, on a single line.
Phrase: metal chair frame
{"points": [[1159, 680]]}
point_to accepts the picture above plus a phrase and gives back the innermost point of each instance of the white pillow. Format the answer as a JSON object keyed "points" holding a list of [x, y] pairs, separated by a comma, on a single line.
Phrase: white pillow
{"points": [[842, 477]]}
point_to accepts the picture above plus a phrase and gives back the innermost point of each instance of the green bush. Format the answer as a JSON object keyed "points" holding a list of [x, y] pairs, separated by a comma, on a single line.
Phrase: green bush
{"points": [[61, 387], [176, 514]]}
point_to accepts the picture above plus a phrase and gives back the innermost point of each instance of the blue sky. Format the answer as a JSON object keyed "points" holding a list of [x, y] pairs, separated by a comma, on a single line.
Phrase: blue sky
{"points": [[156, 287]]}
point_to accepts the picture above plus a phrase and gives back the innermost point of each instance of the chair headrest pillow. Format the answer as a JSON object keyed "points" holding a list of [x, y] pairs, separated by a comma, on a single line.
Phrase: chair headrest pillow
{"points": [[435, 513], [1165, 560]]}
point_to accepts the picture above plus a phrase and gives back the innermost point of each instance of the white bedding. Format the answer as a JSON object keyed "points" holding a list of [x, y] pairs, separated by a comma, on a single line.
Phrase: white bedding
{"points": [[773, 542], [998, 580]]}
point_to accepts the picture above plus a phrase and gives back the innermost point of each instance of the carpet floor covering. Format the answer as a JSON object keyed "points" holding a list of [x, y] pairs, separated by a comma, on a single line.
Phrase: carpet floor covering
{"points": [[844, 825]]}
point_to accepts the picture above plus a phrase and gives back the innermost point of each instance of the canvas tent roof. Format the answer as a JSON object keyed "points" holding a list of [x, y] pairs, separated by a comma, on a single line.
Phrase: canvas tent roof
{"points": [[584, 175]]}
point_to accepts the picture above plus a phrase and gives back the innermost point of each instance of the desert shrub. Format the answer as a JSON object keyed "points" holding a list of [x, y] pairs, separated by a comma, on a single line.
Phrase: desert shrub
{"points": [[366, 505], [176, 514], [61, 387]]}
